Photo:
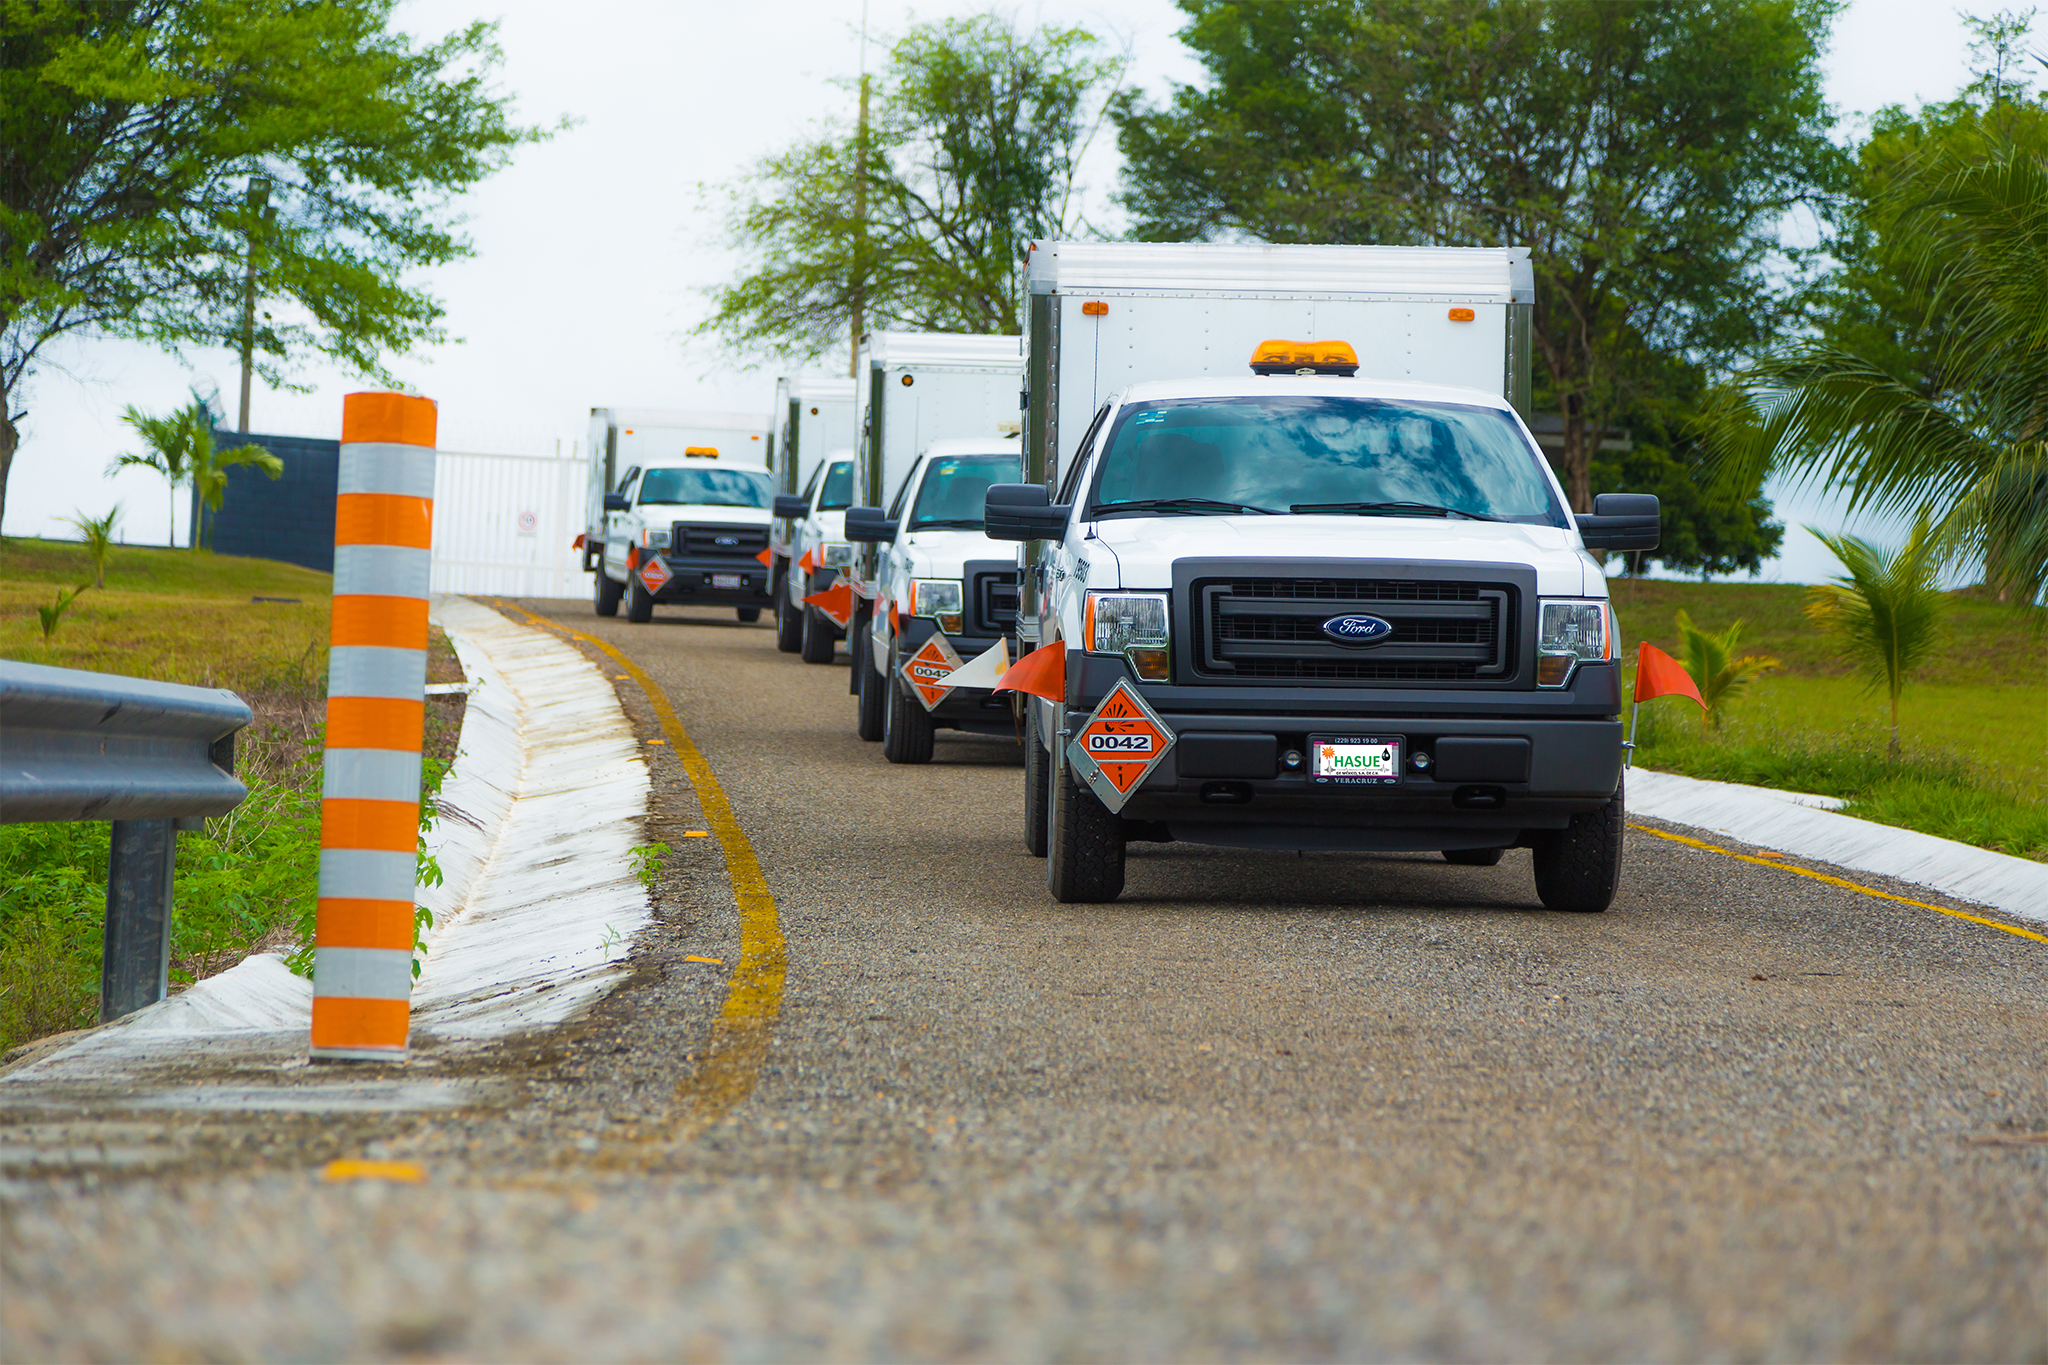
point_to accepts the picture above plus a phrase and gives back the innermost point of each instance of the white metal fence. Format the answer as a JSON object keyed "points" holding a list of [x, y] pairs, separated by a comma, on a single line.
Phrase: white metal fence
{"points": [[505, 524]]}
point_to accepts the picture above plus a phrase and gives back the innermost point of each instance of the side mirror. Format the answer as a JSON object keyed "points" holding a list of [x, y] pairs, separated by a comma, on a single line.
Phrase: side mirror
{"points": [[616, 502], [870, 525], [1621, 521], [791, 507], [1023, 511]]}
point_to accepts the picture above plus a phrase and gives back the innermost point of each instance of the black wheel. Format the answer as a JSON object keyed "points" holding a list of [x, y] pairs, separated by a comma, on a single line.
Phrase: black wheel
{"points": [[871, 696], [789, 620], [1037, 788], [1473, 857], [1578, 868], [747, 615], [639, 601], [608, 594], [907, 728], [1084, 856], [818, 638], [857, 638]]}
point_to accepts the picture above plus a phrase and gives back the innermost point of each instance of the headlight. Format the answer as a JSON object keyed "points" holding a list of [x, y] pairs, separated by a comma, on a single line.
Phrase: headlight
{"points": [[838, 554], [938, 598], [1570, 631], [655, 540], [1132, 624]]}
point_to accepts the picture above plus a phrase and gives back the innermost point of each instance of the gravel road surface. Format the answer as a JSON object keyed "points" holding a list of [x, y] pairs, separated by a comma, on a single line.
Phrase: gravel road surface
{"points": [[1265, 1106]]}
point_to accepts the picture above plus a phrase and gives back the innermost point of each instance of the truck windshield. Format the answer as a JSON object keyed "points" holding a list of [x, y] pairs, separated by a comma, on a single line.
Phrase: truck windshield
{"points": [[1309, 454], [955, 489], [838, 494], [706, 487]]}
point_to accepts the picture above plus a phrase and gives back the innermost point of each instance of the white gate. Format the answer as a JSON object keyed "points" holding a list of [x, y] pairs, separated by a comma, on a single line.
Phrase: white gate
{"points": [[506, 523]]}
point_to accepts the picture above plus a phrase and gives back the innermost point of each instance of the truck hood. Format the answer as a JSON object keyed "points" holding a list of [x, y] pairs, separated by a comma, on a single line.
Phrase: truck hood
{"points": [[944, 554], [1141, 550], [657, 513], [830, 525]]}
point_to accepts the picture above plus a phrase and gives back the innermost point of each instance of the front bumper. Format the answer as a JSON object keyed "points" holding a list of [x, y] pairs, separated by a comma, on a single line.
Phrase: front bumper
{"points": [[690, 582], [1510, 762], [974, 709]]}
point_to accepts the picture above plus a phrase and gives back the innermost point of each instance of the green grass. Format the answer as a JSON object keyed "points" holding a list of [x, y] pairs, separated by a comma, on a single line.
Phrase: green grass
{"points": [[1974, 727]]}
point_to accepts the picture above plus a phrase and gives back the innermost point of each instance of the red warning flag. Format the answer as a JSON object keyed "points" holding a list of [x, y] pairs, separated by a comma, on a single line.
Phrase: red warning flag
{"points": [[1660, 675], [1041, 673], [836, 602], [809, 563], [767, 558]]}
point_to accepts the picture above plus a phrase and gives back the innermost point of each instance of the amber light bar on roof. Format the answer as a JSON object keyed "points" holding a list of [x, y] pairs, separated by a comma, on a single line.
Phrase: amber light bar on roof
{"points": [[1305, 357], [704, 452]]}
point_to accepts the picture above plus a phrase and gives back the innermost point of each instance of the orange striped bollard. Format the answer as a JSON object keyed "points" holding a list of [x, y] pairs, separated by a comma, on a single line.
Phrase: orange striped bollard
{"points": [[376, 719]]}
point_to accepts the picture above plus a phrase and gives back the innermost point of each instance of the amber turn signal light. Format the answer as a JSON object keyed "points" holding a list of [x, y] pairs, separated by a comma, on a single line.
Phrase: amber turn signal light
{"points": [[1462, 315], [1095, 308]]}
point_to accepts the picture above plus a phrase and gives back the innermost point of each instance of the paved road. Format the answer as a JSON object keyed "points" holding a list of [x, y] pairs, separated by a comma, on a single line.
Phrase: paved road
{"points": [[1264, 1106]]}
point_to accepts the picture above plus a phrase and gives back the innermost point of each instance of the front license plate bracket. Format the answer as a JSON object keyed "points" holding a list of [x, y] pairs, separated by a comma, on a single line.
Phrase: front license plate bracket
{"points": [[1359, 760]]}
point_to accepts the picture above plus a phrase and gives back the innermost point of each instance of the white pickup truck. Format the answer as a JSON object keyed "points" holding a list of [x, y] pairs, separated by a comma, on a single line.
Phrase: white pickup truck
{"points": [[813, 423], [689, 532], [1308, 594], [818, 554], [942, 599]]}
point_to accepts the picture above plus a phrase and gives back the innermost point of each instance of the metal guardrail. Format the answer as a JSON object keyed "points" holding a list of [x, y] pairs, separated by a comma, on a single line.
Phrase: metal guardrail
{"points": [[148, 756]]}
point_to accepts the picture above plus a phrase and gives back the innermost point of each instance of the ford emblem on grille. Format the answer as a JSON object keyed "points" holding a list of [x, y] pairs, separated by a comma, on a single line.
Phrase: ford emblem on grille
{"points": [[1357, 630], [728, 540]]}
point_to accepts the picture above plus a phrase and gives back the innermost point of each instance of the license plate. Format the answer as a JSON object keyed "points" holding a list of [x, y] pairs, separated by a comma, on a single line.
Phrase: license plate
{"points": [[1355, 760], [728, 580]]}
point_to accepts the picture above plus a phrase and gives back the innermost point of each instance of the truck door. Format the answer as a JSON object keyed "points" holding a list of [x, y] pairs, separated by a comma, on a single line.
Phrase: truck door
{"points": [[616, 533]]}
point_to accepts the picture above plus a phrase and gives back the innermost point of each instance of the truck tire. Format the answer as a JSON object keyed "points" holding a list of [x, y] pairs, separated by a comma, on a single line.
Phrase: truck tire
{"points": [[608, 594], [907, 728], [1037, 789], [817, 645], [789, 620], [858, 637], [1578, 868], [1473, 857], [869, 695], [747, 615], [639, 601], [1084, 856]]}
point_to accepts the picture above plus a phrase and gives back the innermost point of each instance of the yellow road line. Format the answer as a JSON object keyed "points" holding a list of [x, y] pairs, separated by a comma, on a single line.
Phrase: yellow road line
{"points": [[753, 995], [1836, 881]]}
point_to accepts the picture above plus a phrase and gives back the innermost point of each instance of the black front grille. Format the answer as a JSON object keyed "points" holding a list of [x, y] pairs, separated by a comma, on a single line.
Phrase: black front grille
{"points": [[1267, 629], [995, 602], [743, 542]]}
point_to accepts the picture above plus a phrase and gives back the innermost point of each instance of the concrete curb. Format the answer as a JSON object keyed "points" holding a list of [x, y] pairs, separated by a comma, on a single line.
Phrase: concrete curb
{"points": [[1791, 822]]}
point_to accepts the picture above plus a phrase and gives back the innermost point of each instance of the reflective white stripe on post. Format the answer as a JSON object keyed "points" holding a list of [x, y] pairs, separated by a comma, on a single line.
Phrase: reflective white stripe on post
{"points": [[376, 671], [369, 874], [371, 775], [384, 570], [386, 467], [364, 973]]}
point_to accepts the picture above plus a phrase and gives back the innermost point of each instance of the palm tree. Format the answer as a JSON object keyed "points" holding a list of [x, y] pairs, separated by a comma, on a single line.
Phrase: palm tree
{"points": [[1710, 659], [1887, 613], [1966, 441], [181, 448], [98, 535]]}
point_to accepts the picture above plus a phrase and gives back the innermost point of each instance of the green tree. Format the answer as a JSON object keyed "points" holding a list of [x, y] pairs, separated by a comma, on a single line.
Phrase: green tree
{"points": [[1646, 151], [1721, 675], [132, 130], [98, 535], [973, 150], [182, 448], [1926, 384], [1886, 612]]}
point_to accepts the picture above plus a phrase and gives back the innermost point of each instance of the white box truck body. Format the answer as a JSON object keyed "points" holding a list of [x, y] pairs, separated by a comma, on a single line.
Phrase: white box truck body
{"points": [[814, 417], [916, 388], [679, 510], [1308, 579]]}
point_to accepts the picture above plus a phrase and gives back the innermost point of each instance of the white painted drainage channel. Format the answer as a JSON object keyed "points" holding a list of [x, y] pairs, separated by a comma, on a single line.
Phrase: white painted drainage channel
{"points": [[537, 906], [1792, 822]]}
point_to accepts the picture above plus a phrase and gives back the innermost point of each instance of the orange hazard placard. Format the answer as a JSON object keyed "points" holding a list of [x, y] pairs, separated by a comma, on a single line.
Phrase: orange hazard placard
{"points": [[655, 574], [1121, 743], [926, 671]]}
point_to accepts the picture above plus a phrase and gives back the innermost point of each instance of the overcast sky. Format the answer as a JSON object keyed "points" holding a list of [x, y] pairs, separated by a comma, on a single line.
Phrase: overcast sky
{"points": [[593, 250]]}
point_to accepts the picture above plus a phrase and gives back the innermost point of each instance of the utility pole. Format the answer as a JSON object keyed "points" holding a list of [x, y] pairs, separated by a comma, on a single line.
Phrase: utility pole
{"points": [[260, 214], [860, 207]]}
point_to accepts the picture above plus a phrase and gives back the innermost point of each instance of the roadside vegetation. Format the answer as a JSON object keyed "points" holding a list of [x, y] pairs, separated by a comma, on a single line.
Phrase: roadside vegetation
{"points": [[248, 882], [1972, 761]]}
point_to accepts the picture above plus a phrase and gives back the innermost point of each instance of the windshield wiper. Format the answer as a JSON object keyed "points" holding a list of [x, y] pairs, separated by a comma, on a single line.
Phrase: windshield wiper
{"points": [[1180, 505], [1395, 508], [970, 523]]}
